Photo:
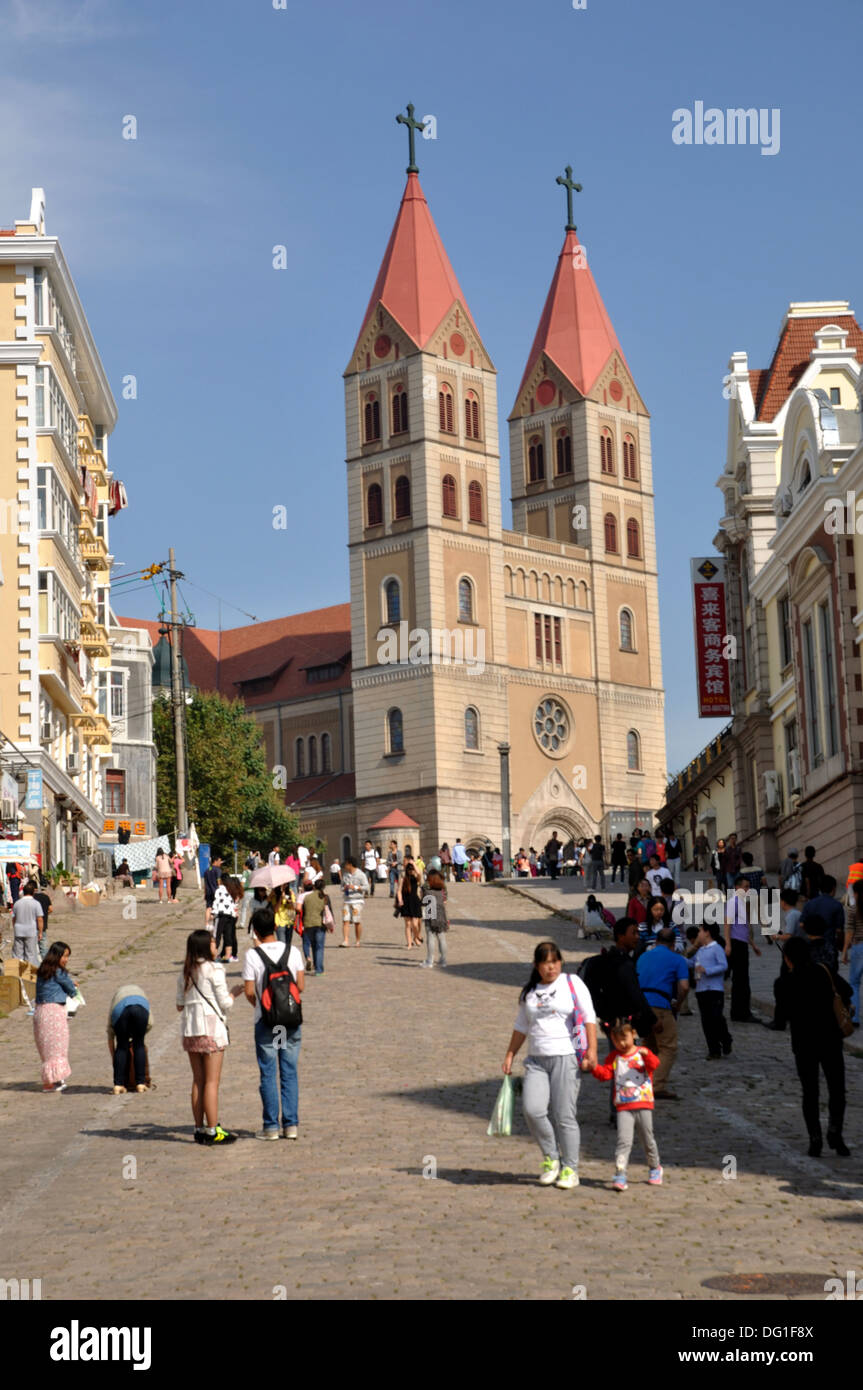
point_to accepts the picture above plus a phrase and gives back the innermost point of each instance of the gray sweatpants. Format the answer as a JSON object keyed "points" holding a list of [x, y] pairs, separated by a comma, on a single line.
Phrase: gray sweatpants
{"points": [[550, 1100], [431, 938], [26, 948], [628, 1121]]}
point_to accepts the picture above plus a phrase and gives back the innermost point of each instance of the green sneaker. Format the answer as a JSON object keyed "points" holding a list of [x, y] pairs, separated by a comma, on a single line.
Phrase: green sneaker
{"points": [[568, 1178], [222, 1136], [549, 1171]]}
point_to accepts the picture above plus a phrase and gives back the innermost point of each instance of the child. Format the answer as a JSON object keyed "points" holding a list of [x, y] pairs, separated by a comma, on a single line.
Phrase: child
{"points": [[476, 870], [689, 949], [435, 918], [711, 964], [630, 1068]]}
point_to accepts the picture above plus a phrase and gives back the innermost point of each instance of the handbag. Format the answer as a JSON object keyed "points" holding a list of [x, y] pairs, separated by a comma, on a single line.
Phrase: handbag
{"points": [[327, 917], [840, 1009], [74, 1002]]}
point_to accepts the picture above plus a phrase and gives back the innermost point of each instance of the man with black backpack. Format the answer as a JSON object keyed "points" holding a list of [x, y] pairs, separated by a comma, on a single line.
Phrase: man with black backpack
{"points": [[273, 977]]}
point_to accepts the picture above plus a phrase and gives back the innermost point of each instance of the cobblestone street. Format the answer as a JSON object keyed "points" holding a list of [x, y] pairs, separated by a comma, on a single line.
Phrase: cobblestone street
{"points": [[399, 1070]]}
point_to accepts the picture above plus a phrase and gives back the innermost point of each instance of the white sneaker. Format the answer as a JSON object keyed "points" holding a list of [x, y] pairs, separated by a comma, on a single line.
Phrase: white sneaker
{"points": [[290, 1132], [549, 1172], [267, 1134], [568, 1178]]}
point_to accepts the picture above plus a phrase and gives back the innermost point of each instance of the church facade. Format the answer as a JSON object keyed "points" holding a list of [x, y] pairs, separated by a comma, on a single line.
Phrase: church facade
{"points": [[462, 636]]}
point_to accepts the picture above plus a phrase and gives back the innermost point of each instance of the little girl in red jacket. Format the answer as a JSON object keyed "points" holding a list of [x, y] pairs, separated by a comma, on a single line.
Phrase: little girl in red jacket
{"points": [[631, 1068]]}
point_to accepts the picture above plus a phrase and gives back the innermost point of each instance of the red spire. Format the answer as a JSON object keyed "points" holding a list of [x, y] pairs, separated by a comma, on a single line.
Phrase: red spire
{"points": [[416, 283], [575, 332]]}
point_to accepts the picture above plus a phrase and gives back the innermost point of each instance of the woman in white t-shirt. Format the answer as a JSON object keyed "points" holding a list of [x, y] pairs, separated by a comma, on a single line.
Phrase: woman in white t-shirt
{"points": [[557, 1017]]}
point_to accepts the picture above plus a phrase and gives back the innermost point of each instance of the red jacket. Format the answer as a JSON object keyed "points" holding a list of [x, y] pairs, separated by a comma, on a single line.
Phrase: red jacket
{"points": [[632, 1077]]}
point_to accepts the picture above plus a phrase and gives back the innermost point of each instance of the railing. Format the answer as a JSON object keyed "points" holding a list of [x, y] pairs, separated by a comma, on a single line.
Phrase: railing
{"points": [[540, 543], [698, 764]]}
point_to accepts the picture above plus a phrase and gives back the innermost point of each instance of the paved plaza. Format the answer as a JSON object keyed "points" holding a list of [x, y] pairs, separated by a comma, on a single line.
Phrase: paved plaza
{"points": [[394, 1189]]}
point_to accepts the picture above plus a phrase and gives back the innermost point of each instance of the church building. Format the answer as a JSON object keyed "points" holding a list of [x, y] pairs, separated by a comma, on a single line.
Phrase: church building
{"points": [[465, 637]]}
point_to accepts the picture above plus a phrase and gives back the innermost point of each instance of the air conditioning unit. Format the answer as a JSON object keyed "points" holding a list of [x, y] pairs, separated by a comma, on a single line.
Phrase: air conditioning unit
{"points": [[72, 765], [794, 770], [773, 790], [47, 731], [8, 810]]}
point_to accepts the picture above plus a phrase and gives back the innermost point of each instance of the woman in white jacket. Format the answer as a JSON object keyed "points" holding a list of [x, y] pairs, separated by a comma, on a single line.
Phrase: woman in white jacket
{"points": [[204, 999]]}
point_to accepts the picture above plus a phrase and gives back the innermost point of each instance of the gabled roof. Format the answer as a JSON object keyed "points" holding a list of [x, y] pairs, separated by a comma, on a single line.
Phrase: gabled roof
{"points": [[792, 356], [575, 332], [281, 649], [396, 820], [416, 283]]}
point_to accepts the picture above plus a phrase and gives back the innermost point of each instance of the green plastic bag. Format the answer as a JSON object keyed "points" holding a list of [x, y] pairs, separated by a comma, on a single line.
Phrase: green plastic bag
{"points": [[501, 1118]]}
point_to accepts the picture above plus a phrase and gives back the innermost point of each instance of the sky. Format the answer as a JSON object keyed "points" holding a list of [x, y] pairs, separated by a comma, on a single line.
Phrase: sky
{"points": [[260, 126]]}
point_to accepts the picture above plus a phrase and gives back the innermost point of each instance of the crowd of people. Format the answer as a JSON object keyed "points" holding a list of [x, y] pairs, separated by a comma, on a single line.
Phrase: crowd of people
{"points": [[634, 992]]}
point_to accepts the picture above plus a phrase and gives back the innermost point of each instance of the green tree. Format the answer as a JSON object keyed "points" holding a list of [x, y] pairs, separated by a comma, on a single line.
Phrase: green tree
{"points": [[231, 793]]}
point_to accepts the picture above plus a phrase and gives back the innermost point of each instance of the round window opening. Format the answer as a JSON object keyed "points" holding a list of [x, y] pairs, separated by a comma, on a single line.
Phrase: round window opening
{"points": [[551, 725]]}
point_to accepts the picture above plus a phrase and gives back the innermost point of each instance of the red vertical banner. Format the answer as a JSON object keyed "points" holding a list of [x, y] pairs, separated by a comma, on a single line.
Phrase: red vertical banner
{"points": [[712, 650]]}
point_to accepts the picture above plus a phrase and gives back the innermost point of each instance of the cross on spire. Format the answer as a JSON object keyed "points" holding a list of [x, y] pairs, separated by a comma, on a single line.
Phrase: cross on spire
{"points": [[570, 189], [412, 126]]}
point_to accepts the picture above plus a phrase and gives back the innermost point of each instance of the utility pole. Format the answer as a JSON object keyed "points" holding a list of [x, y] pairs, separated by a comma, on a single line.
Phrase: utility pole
{"points": [[178, 702]]}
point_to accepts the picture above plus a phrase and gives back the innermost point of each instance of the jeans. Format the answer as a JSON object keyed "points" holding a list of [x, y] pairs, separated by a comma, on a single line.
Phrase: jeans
{"points": [[628, 1121], [597, 876], [854, 973], [551, 1087], [314, 938], [130, 1029], [393, 878], [710, 1005], [431, 938], [740, 992], [278, 1068], [829, 1057]]}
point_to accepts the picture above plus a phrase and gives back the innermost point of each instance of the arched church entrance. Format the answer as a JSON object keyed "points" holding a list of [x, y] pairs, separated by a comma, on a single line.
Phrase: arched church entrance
{"points": [[570, 828]]}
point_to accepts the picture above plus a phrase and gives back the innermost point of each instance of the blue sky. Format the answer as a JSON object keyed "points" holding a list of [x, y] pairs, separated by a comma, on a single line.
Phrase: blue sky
{"points": [[259, 127]]}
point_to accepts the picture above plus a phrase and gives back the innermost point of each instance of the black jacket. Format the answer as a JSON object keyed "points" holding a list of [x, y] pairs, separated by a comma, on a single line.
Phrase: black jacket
{"points": [[804, 996]]}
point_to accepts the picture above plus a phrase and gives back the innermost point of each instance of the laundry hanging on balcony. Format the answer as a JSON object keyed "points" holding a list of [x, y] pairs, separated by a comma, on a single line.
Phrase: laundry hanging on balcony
{"points": [[119, 500]]}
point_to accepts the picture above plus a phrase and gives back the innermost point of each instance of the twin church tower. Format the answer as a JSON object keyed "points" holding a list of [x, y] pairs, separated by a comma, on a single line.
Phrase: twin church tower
{"points": [[466, 636]]}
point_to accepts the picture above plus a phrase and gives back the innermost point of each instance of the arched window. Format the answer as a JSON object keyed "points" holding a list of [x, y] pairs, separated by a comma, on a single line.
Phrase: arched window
{"points": [[346, 847], [474, 502], [633, 539], [606, 450], [471, 415], [372, 418], [471, 728], [564, 452], [395, 732], [611, 533], [300, 758], [326, 754], [535, 460], [375, 505], [403, 497], [630, 468], [313, 756], [393, 598], [445, 409], [449, 501], [626, 642], [400, 409], [465, 601], [633, 751]]}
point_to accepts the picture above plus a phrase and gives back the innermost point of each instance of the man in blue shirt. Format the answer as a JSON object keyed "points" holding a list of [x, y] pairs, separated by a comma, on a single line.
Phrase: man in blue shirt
{"points": [[831, 912], [664, 978]]}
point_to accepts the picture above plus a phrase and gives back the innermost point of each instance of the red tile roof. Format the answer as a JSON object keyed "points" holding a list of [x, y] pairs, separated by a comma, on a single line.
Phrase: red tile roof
{"points": [[416, 283], [280, 648], [574, 332], [757, 382], [791, 357], [394, 821]]}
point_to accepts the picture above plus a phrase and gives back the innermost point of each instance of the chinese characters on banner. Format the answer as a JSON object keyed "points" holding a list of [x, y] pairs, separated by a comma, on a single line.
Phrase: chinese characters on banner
{"points": [[138, 827], [711, 629]]}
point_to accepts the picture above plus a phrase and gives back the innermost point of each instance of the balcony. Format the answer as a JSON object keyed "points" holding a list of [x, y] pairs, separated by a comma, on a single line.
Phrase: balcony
{"points": [[93, 727], [94, 553], [94, 636], [60, 674]]}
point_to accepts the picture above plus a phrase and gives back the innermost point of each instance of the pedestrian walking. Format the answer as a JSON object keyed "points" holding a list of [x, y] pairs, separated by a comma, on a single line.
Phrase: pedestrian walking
{"points": [[176, 874], [225, 907], [596, 865], [488, 864], [273, 982], [285, 909], [317, 921], [807, 993], [739, 939], [355, 887], [557, 1019], [445, 856], [274, 858], [630, 1068], [54, 985], [733, 860], [435, 919], [203, 999], [700, 853], [717, 864], [212, 879], [551, 850], [335, 873], [791, 871], [711, 965], [826, 906], [28, 925], [409, 904], [811, 873], [130, 1018], [673, 858], [636, 908], [164, 870], [370, 865], [854, 944], [459, 859], [394, 864], [664, 978], [619, 862]]}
